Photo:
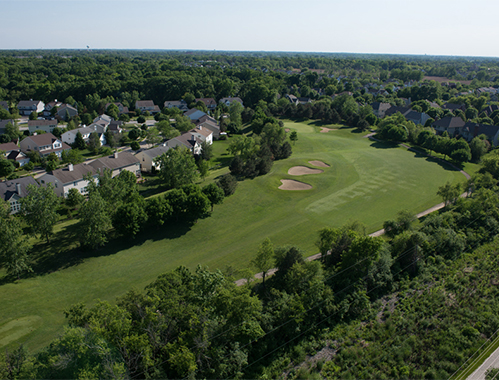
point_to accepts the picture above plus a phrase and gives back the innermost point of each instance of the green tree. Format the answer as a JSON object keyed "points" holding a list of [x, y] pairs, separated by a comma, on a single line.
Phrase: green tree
{"points": [[478, 148], [6, 168], [203, 168], [79, 143], [130, 217], [264, 259], [12, 130], [178, 167], [94, 143], [183, 123], [72, 156], [94, 222], [228, 183], [449, 192], [14, 246], [293, 136], [135, 145], [153, 137], [74, 198], [206, 150], [214, 193], [33, 115], [243, 146], [39, 208]]}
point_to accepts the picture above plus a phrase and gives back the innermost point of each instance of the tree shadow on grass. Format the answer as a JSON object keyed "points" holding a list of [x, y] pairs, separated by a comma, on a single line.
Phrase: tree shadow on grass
{"points": [[53, 257], [384, 145]]}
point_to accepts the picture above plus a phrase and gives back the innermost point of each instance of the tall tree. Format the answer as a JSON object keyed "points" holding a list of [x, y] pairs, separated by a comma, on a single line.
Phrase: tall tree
{"points": [[94, 143], [214, 193], [14, 246], [79, 142], [94, 222], [40, 209], [177, 167], [6, 168], [264, 258]]}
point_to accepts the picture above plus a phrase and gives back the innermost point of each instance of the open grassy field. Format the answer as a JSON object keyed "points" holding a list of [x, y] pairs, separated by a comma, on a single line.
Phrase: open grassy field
{"points": [[366, 181]]}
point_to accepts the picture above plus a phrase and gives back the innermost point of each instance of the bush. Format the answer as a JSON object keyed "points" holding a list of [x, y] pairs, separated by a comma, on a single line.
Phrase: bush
{"points": [[135, 145], [141, 119], [228, 184]]}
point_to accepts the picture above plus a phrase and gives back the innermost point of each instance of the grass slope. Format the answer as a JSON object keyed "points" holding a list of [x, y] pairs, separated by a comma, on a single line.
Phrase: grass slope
{"points": [[367, 181]]}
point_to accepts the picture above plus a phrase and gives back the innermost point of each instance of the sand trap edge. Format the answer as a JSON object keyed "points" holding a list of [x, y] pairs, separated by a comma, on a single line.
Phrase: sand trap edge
{"points": [[319, 164], [291, 184], [303, 170]]}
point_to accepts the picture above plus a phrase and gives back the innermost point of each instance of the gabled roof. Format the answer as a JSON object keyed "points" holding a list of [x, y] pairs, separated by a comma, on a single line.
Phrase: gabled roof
{"points": [[144, 103], [4, 105], [8, 189], [448, 122], [72, 173], [204, 119], [202, 131], [156, 152], [476, 129], [187, 140], [44, 139], [3, 123], [209, 102], [394, 109], [28, 103], [194, 114], [377, 106], [231, 99], [116, 161], [103, 117], [452, 106], [82, 130], [16, 155], [8, 147], [413, 115], [64, 106]]}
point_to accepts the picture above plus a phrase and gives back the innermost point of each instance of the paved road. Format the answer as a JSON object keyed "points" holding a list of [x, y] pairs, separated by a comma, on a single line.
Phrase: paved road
{"points": [[491, 362]]}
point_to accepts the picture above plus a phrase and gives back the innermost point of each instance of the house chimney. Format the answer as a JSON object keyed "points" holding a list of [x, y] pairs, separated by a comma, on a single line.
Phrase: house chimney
{"points": [[115, 154], [18, 189], [70, 167]]}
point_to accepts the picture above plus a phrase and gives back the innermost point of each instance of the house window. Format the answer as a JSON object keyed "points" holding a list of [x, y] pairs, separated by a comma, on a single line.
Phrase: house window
{"points": [[43, 181], [76, 183]]}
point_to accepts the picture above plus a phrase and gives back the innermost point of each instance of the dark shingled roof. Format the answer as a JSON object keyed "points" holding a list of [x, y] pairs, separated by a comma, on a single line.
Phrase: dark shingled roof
{"points": [[449, 122], [8, 188]]}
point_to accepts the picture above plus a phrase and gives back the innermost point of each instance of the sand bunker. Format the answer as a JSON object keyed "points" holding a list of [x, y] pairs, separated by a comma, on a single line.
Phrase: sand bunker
{"points": [[319, 164], [291, 184], [326, 130], [287, 130], [303, 170]]}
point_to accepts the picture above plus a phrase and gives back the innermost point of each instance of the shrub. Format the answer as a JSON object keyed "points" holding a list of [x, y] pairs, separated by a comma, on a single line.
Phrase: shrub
{"points": [[228, 184]]}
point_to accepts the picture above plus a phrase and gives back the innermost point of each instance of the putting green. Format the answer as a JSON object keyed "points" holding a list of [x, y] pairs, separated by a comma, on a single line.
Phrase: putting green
{"points": [[366, 181]]}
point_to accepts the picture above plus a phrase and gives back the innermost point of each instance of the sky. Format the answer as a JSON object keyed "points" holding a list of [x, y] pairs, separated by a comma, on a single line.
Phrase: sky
{"points": [[433, 27]]}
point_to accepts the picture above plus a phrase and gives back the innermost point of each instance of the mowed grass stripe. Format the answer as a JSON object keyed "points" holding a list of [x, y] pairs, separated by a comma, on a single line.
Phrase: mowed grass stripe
{"points": [[366, 182]]}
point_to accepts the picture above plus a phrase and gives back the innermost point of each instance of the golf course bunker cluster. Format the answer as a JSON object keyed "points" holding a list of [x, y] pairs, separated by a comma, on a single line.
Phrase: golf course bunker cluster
{"points": [[291, 184]]}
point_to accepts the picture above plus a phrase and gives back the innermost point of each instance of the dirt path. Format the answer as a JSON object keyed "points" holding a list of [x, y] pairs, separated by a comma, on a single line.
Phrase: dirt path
{"points": [[439, 206]]}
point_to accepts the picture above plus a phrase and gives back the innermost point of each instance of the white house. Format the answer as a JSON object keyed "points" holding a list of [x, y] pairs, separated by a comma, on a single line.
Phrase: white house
{"points": [[203, 134], [191, 142], [69, 137], [147, 105]]}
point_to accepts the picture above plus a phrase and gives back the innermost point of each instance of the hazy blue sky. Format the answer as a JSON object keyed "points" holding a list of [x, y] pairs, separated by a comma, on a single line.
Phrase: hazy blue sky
{"points": [[437, 27]]}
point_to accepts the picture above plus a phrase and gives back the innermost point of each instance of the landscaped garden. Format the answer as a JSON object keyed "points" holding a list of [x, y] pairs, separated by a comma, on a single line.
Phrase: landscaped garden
{"points": [[365, 181]]}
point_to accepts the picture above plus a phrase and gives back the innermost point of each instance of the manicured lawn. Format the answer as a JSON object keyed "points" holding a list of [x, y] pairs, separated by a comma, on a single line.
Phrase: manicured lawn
{"points": [[366, 181]]}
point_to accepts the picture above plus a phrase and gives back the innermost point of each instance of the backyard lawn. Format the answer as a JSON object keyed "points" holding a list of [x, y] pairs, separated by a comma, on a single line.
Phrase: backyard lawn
{"points": [[366, 181]]}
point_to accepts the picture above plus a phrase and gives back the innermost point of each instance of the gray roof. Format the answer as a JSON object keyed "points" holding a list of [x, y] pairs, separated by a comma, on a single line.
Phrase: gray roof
{"points": [[4, 105], [45, 139], [65, 175], [82, 130], [8, 188], [155, 152], [28, 103], [3, 123], [476, 129], [116, 161], [144, 103], [449, 122]]}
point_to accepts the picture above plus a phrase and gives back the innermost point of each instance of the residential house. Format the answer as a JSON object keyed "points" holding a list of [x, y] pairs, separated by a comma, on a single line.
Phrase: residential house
{"points": [[73, 175], [394, 109], [211, 124], [13, 152], [69, 137], [4, 105], [147, 105], [451, 124], [47, 112], [189, 141], [26, 107], [194, 114], [472, 130], [44, 144], [228, 101], [104, 119], [303, 100], [3, 125], [489, 110], [452, 107], [121, 108], [417, 117], [203, 134], [41, 125], [12, 191], [210, 103], [180, 104], [147, 158], [379, 109], [66, 110], [115, 127]]}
